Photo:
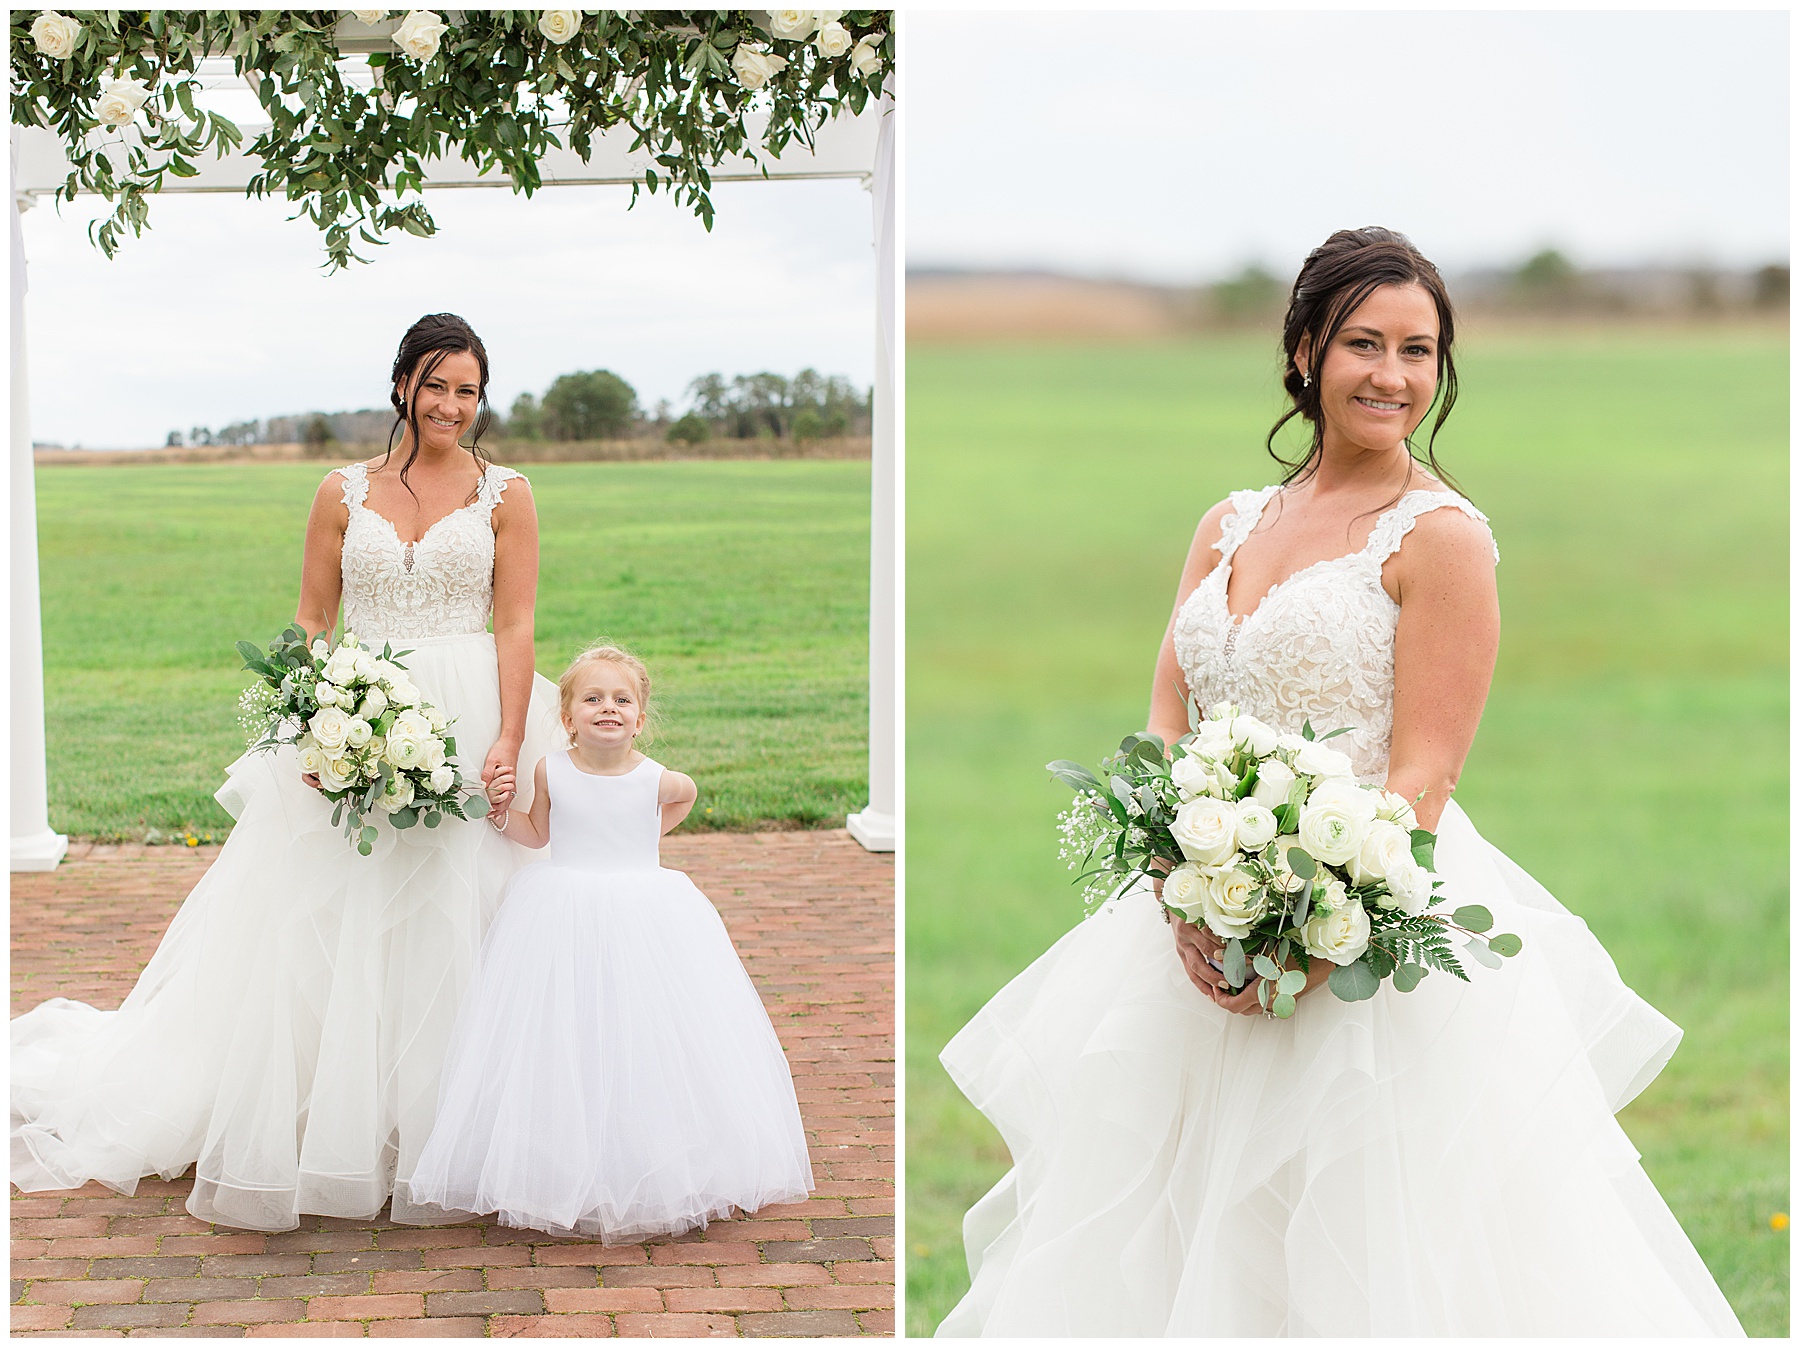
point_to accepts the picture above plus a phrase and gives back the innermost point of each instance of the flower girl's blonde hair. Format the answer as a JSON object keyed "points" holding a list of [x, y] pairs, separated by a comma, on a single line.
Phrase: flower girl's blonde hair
{"points": [[603, 651]]}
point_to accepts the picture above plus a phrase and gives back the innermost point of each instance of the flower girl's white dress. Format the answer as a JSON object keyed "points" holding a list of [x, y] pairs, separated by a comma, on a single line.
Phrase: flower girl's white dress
{"points": [[1438, 1162], [613, 1071], [286, 1036]]}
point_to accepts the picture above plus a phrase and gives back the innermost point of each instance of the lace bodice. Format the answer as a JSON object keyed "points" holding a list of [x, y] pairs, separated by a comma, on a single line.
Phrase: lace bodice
{"points": [[1320, 645], [442, 585]]}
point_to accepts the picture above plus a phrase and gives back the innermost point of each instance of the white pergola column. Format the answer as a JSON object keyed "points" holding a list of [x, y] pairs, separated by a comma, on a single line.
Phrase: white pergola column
{"points": [[875, 827], [35, 847]]}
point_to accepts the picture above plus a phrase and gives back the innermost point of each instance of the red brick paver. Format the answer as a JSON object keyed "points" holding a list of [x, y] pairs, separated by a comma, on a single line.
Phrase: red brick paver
{"points": [[812, 916]]}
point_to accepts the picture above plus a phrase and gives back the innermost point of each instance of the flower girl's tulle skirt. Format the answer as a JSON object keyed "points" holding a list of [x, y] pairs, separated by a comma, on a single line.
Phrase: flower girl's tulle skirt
{"points": [[286, 1037], [1439, 1162], [613, 1071]]}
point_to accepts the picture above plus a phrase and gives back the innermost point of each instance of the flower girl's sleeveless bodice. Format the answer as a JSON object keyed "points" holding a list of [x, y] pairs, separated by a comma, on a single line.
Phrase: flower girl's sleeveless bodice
{"points": [[442, 585], [604, 823], [1320, 644]]}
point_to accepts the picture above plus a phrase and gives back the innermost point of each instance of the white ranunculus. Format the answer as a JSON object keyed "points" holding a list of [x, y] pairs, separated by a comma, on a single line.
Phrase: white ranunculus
{"points": [[374, 703], [419, 34], [1332, 831], [1183, 889], [387, 670], [443, 777], [365, 666], [1291, 742], [403, 692], [1221, 711], [360, 733], [336, 774], [397, 795], [434, 754], [559, 25], [368, 16], [340, 668], [1384, 849], [331, 728], [1410, 884], [1340, 935], [413, 721], [1359, 800], [55, 34], [1191, 776], [756, 66], [1255, 736], [834, 39], [1206, 830], [793, 25], [1398, 809], [120, 100], [1233, 902], [866, 59], [1273, 781], [320, 648], [405, 746], [1318, 760], [1255, 825]]}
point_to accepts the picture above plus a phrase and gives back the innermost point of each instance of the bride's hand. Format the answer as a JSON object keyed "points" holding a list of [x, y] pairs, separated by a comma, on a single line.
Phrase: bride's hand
{"points": [[1200, 940], [504, 756], [312, 779]]}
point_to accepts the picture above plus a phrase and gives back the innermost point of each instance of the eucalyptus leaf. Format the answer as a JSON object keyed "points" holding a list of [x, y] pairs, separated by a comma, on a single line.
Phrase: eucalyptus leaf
{"points": [[1235, 972], [1407, 976], [1284, 1006], [1505, 944], [1473, 916], [1262, 993], [1301, 864], [1291, 981], [1265, 967], [1479, 949], [1354, 982]]}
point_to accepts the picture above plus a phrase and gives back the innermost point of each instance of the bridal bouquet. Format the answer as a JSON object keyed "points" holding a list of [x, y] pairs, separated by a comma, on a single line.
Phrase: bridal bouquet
{"points": [[1271, 842], [361, 725]]}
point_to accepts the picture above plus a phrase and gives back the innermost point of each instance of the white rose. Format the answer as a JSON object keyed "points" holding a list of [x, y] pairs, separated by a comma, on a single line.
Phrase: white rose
{"points": [[1182, 890], [434, 754], [368, 16], [1397, 808], [412, 721], [375, 748], [1258, 738], [1340, 935], [374, 703], [336, 774], [439, 722], [365, 666], [387, 671], [55, 34], [340, 667], [1221, 711], [756, 66], [1316, 760], [360, 733], [1291, 742], [559, 25], [1384, 849], [1255, 825], [1273, 781], [443, 777], [1206, 830], [1332, 897], [834, 39], [1332, 831], [403, 692], [331, 728], [1410, 885], [1191, 776], [397, 795], [866, 59], [312, 758], [793, 25], [326, 693], [319, 649], [1233, 902], [419, 34], [120, 101]]}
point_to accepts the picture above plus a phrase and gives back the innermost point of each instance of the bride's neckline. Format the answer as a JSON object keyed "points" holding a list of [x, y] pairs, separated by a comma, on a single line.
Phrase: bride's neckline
{"points": [[1227, 563], [362, 504]]}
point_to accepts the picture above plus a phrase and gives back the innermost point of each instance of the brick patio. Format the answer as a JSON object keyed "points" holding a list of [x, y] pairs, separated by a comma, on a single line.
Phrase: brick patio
{"points": [[811, 915]]}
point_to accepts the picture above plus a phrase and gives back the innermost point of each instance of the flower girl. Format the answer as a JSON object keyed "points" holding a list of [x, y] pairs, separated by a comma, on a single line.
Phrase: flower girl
{"points": [[612, 1071]]}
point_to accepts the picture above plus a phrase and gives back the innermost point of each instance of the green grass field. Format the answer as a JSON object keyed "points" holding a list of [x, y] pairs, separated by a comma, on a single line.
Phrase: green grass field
{"points": [[1633, 756], [743, 584]]}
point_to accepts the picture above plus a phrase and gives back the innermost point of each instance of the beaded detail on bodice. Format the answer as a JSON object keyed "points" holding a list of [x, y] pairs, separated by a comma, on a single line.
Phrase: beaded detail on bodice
{"points": [[1320, 644], [440, 585]]}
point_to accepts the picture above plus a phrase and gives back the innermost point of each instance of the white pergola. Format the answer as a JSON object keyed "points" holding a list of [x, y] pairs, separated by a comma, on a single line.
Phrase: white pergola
{"points": [[860, 147]]}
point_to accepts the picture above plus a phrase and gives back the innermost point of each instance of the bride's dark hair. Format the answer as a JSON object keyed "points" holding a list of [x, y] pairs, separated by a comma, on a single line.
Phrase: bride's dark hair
{"points": [[1336, 277], [423, 349]]}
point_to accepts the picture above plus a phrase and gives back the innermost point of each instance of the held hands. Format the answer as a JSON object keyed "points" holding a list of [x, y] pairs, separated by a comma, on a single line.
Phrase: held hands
{"points": [[499, 774], [1196, 944], [501, 787]]}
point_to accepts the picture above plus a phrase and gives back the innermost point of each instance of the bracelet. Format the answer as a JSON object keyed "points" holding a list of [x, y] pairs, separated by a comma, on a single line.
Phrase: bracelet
{"points": [[500, 828]]}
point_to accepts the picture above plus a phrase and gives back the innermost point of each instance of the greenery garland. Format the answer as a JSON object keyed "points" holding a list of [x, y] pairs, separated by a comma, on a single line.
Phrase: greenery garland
{"points": [[499, 88]]}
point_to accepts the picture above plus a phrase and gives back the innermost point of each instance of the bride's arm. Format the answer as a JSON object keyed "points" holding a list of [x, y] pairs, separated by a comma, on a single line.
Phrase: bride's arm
{"points": [[322, 566], [1168, 688], [515, 604], [1444, 648]]}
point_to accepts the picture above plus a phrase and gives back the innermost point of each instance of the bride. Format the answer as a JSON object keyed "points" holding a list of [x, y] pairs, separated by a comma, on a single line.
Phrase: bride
{"points": [[1438, 1162], [287, 1035]]}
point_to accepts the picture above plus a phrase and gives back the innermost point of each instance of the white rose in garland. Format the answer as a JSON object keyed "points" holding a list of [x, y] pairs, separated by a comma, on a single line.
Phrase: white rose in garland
{"points": [[1340, 935], [1184, 889], [1233, 902], [866, 59], [55, 34], [756, 66], [834, 40], [1206, 830], [559, 25], [793, 25], [368, 16], [420, 33], [120, 100], [439, 722]]}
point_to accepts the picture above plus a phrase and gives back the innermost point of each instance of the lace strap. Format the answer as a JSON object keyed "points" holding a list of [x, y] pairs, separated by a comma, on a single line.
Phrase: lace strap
{"points": [[1236, 527], [356, 482], [1397, 522], [492, 487]]}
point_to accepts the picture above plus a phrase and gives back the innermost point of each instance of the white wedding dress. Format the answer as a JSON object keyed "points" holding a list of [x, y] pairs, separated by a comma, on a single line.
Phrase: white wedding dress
{"points": [[287, 1035], [1438, 1162]]}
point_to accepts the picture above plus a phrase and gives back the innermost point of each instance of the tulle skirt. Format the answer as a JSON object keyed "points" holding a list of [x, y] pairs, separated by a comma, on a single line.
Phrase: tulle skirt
{"points": [[1438, 1162], [287, 1035], [613, 1071]]}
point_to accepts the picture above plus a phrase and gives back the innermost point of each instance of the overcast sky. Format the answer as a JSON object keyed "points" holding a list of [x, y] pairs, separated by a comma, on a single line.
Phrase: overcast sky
{"points": [[221, 312], [1180, 146]]}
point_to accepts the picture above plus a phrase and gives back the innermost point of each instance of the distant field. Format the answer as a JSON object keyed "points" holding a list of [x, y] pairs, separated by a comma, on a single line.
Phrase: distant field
{"points": [[743, 584], [1633, 756]]}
